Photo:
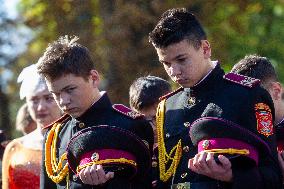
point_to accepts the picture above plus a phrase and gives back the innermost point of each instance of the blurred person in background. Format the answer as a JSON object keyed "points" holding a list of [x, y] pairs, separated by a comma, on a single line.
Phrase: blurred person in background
{"points": [[24, 122], [261, 68], [144, 94], [22, 156], [2, 148]]}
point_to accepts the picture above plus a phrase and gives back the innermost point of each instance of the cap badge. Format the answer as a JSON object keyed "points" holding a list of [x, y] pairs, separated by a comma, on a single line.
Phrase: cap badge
{"points": [[205, 144], [95, 156]]}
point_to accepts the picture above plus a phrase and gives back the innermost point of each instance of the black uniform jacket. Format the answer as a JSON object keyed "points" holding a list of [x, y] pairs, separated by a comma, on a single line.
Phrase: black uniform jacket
{"points": [[237, 104], [100, 113]]}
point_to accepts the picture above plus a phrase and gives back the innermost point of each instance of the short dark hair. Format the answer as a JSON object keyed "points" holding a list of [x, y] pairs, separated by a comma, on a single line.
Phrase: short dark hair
{"points": [[257, 67], [65, 56], [176, 25], [146, 91]]}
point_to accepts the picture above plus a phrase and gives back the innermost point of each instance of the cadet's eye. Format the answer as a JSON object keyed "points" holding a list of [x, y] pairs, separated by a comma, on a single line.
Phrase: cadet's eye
{"points": [[181, 60], [70, 90]]}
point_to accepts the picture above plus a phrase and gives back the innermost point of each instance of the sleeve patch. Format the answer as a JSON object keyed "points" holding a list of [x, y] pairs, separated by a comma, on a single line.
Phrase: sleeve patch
{"points": [[241, 79], [126, 111], [264, 119]]}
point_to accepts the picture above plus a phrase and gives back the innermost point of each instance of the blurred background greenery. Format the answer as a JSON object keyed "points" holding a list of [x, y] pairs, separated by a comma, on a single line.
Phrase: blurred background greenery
{"points": [[116, 32]]}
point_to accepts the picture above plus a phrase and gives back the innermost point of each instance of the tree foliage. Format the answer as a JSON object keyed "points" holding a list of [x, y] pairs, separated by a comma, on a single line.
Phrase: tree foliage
{"points": [[116, 32]]}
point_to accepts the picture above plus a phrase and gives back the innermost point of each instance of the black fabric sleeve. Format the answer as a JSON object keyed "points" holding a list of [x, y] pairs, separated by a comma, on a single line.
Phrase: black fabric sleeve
{"points": [[269, 170]]}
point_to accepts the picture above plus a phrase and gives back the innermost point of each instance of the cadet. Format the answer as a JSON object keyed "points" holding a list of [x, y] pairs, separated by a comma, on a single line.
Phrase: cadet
{"points": [[261, 68], [73, 80], [144, 94], [206, 92]]}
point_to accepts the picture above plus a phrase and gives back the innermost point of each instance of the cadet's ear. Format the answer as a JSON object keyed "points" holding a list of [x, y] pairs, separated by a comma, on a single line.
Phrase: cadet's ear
{"points": [[205, 45], [276, 90], [94, 75]]}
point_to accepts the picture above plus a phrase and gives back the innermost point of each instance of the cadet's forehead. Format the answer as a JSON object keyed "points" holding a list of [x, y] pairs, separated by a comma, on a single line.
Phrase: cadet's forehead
{"points": [[63, 81], [174, 50]]}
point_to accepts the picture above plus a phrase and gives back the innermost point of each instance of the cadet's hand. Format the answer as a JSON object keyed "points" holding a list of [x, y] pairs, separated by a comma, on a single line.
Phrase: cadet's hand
{"points": [[204, 163], [95, 175], [281, 161]]}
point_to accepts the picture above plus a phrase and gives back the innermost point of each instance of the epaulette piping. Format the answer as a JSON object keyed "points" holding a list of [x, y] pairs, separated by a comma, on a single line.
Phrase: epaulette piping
{"points": [[126, 111], [241, 79], [61, 119], [170, 94]]}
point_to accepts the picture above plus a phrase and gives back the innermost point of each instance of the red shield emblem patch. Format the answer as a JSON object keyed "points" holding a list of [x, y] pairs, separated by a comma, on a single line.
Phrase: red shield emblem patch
{"points": [[264, 119]]}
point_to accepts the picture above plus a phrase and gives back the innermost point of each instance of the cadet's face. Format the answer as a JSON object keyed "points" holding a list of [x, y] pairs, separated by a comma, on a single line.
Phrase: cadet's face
{"points": [[150, 115], [42, 107], [73, 94], [184, 64]]}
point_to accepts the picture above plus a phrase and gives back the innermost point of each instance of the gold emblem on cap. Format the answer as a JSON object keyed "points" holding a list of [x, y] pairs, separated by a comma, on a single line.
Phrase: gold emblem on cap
{"points": [[205, 144], [81, 125], [95, 156]]}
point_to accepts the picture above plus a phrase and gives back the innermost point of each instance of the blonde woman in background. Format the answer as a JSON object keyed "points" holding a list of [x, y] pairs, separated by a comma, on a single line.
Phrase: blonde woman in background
{"points": [[22, 156], [24, 122]]}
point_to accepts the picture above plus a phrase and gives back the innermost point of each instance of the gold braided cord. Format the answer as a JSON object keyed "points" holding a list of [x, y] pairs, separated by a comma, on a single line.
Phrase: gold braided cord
{"points": [[54, 170], [229, 151], [106, 161], [164, 157]]}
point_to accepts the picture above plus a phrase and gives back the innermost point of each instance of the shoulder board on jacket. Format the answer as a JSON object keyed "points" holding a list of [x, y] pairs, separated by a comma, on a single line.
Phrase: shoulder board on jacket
{"points": [[126, 111], [61, 119], [170, 94], [242, 79]]}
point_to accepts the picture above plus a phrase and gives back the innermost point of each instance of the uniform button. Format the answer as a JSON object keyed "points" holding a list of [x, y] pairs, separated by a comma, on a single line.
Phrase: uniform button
{"points": [[185, 149], [75, 178], [154, 164], [168, 135], [186, 124], [81, 125], [183, 175]]}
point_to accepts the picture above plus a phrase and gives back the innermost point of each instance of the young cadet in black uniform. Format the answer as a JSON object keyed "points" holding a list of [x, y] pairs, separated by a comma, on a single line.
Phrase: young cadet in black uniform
{"points": [[144, 94], [185, 52], [261, 68], [72, 79]]}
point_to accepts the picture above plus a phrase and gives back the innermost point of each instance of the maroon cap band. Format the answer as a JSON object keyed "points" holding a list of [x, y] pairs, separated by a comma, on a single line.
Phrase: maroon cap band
{"points": [[225, 143]]}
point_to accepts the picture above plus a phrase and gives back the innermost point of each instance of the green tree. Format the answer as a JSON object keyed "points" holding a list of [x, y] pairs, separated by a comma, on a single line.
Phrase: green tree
{"points": [[116, 32]]}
